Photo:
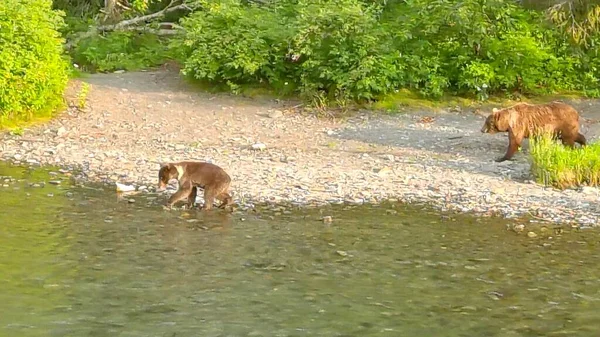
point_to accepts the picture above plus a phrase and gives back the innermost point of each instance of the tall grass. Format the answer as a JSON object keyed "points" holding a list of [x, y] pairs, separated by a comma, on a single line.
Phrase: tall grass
{"points": [[556, 165]]}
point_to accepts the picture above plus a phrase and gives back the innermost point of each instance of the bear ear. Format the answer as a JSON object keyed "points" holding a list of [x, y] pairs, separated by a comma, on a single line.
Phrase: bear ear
{"points": [[494, 110]]}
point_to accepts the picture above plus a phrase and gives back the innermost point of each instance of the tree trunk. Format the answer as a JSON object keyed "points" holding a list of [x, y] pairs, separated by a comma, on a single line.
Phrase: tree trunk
{"points": [[111, 11]]}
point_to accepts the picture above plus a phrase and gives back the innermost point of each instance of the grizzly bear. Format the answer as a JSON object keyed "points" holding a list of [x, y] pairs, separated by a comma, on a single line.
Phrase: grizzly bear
{"points": [[524, 120], [191, 175]]}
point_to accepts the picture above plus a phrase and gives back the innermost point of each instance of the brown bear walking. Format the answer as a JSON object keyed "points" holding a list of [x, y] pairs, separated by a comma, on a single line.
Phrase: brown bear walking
{"points": [[523, 120], [191, 175]]}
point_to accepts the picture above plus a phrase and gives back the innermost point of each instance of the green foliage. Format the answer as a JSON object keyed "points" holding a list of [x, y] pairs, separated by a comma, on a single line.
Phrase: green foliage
{"points": [[33, 70], [108, 11], [120, 50], [234, 44], [352, 49], [556, 165]]}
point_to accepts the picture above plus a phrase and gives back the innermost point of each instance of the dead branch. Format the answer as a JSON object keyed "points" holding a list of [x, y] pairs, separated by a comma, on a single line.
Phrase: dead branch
{"points": [[126, 24], [161, 32]]}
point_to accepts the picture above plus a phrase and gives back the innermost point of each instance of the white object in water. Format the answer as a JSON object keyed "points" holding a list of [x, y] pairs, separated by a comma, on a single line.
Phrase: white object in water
{"points": [[124, 188]]}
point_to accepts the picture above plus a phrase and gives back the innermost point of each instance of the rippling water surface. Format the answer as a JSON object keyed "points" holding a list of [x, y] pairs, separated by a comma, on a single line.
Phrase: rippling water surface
{"points": [[77, 261]]}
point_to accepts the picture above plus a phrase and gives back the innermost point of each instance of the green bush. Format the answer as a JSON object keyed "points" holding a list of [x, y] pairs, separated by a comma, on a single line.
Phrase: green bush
{"points": [[235, 44], [120, 50], [556, 165], [33, 71], [365, 49]]}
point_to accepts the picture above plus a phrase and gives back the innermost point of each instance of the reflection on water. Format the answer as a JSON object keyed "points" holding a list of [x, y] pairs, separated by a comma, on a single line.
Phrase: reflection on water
{"points": [[78, 262]]}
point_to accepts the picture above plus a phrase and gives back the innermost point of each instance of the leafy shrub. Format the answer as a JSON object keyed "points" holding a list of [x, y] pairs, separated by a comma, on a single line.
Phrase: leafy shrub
{"points": [[365, 49], [555, 165], [33, 71], [121, 50], [341, 43], [235, 44]]}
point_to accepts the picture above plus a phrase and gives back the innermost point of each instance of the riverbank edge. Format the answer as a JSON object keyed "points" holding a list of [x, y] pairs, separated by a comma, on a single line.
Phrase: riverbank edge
{"points": [[77, 174]]}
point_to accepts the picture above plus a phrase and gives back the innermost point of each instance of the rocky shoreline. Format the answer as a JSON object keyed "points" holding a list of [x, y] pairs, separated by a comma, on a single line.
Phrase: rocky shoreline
{"points": [[134, 121]]}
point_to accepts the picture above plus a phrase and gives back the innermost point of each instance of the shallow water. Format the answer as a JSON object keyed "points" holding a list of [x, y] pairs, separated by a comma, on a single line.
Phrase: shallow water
{"points": [[78, 261]]}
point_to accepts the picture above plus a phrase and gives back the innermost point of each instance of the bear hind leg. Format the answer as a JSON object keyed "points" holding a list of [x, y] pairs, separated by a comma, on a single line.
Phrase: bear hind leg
{"points": [[581, 139]]}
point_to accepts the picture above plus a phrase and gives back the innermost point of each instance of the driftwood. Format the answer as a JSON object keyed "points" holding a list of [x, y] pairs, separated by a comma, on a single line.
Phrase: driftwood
{"points": [[126, 25]]}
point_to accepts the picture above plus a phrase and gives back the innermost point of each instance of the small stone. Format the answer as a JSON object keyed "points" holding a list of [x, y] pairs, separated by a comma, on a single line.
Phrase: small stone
{"points": [[531, 234], [327, 219], [54, 182], [18, 156], [518, 228], [341, 253], [589, 190], [499, 190], [50, 194], [120, 71], [179, 147], [384, 171], [275, 114], [131, 201], [389, 157], [61, 131], [259, 146]]}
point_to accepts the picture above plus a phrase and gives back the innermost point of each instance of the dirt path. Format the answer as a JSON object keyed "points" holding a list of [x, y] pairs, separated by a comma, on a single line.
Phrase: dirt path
{"points": [[134, 121]]}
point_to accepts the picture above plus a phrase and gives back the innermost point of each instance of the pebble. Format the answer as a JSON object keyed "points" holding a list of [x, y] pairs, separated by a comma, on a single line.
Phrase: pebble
{"points": [[259, 146], [61, 131], [384, 171], [275, 114]]}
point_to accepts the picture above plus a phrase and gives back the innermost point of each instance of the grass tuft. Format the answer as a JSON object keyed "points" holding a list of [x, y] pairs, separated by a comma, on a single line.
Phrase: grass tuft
{"points": [[556, 165]]}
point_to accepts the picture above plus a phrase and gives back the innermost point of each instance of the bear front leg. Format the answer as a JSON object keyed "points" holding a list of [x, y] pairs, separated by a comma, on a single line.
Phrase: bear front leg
{"points": [[513, 146], [581, 139], [182, 193]]}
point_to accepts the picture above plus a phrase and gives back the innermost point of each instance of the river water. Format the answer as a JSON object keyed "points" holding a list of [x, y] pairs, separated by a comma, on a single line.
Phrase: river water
{"points": [[79, 261]]}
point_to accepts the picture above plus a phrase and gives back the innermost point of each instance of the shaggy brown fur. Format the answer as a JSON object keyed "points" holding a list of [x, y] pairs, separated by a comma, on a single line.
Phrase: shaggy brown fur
{"points": [[523, 120], [191, 175]]}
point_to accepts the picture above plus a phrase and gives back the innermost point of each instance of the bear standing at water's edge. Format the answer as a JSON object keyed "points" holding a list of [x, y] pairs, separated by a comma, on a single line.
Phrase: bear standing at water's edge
{"points": [[523, 119], [191, 175]]}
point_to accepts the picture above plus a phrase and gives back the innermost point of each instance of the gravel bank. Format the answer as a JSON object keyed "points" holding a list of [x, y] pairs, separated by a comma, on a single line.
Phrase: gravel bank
{"points": [[134, 121]]}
